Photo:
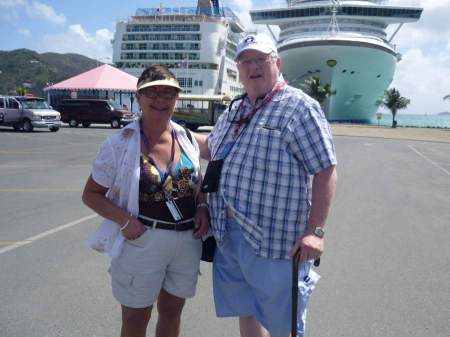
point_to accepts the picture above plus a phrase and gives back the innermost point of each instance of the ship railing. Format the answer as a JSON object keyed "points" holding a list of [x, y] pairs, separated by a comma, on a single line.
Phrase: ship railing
{"points": [[189, 12], [163, 11], [176, 18], [168, 11], [316, 36], [292, 3]]}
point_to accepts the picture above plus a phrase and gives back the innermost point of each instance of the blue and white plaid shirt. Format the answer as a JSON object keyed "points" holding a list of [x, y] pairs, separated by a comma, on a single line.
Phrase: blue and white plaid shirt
{"points": [[266, 177]]}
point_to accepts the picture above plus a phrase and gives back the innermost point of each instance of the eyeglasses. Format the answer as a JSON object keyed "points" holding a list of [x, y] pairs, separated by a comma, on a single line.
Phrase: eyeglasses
{"points": [[260, 61], [152, 93]]}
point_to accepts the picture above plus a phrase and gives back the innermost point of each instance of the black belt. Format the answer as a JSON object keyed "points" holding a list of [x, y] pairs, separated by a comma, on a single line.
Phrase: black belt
{"points": [[179, 227]]}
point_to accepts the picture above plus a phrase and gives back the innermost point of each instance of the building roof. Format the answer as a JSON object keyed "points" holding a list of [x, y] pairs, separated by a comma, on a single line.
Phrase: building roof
{"points": [[104, 77]]}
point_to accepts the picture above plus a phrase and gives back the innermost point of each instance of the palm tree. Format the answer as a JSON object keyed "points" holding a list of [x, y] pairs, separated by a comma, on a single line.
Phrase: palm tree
{"points": [[320, 92], [393, 101]]}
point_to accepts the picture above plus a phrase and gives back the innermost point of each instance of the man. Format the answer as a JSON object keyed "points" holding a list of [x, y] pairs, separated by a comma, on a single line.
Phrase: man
{"points": [[277, 179]]}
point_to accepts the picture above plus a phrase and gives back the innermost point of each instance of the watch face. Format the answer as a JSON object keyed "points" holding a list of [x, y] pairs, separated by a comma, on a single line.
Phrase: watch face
{"points": [[319, 232]]}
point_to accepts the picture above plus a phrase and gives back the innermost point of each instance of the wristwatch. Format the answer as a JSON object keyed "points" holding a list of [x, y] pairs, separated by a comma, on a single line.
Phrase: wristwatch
{"points": [[317, 231]]}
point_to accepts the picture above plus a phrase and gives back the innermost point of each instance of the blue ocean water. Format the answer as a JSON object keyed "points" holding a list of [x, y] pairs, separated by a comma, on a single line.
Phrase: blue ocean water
{"points": [[420, 121]]}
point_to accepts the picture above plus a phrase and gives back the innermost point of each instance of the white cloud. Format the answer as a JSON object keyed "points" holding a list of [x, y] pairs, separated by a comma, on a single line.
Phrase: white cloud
{"points": [[40, 10], [11, 3], [77, 40], [241, 9], [424, 80], [10, 10], [24, 32], [431, 4], [34, 9], [423, 73]]}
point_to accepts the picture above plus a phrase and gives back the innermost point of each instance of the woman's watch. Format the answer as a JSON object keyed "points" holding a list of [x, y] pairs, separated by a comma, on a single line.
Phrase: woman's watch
{"points": [[317, 231]]}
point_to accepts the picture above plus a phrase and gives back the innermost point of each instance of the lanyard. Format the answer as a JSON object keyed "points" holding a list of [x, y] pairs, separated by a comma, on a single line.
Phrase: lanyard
{"points": [[246, 120], [243, 121], [163, 175]]}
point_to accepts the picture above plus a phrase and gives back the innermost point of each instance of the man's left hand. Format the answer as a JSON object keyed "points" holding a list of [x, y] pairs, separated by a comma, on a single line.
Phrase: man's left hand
{"points": [[311, 247], [201, 220]]}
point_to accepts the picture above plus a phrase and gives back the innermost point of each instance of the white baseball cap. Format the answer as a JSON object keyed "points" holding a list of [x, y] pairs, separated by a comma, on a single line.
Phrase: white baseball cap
{"points": [[260, 42]]}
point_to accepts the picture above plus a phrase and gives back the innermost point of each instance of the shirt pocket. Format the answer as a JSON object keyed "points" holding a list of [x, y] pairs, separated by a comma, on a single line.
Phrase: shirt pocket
{"points": [[269, 148]]}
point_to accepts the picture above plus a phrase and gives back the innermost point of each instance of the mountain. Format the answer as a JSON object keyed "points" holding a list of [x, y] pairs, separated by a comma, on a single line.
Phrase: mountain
{"points": [[31, 70], [444, 114]]}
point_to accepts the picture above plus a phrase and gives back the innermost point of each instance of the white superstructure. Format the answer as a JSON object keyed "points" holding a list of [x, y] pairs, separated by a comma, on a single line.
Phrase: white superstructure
{"points": [[198, 44], [345, 44]]}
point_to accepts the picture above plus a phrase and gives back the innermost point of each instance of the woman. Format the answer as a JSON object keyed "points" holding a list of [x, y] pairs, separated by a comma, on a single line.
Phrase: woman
{"points": [[146, 180]]}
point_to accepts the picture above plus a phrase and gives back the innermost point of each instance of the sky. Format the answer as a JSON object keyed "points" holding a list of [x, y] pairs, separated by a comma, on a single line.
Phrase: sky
{"points": [[87, 27]]}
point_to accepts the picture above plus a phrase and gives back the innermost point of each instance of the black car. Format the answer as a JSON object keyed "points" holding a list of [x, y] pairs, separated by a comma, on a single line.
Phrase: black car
{"points": [[99, 111]]}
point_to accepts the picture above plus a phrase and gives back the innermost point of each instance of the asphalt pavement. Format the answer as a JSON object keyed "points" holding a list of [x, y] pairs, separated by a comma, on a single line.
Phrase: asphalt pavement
{"points": [[385, 270]]}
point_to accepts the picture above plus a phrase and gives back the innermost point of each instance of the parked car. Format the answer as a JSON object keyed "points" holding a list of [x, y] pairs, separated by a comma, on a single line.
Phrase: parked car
{"points": [[99, 111], [27, 113]]}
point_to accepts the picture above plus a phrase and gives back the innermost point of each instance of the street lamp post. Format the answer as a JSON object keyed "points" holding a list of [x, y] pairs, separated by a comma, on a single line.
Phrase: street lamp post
{"points": [[49, 84]]}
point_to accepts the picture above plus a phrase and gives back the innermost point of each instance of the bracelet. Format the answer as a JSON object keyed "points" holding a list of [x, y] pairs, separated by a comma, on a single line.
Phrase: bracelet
{"points": [[203, 204], [126, 225]]}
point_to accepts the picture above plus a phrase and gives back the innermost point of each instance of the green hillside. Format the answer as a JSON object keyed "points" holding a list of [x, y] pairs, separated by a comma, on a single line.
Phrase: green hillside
{"points": [[26, 68]]}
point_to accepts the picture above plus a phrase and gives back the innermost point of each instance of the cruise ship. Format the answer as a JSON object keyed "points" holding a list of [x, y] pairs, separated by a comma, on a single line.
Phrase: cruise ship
{"points": [[197, 43], [345, 44]]}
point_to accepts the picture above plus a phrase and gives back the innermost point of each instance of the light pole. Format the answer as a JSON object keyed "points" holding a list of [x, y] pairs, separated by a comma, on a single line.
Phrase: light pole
{"points": [[49, 84]]}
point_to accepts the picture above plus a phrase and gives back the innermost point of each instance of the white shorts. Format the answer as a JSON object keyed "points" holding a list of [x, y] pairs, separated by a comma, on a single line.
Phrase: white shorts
{"points": [[158, 259]]}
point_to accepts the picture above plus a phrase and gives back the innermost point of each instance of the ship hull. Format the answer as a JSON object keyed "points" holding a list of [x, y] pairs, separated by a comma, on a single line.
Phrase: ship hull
{"points": [[358, 72]]}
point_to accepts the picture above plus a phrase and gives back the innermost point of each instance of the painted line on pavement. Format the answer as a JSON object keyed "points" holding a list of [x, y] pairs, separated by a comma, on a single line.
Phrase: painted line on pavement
{"points": [[9, 242], [432, 162], [22, 243], [40, 189]]}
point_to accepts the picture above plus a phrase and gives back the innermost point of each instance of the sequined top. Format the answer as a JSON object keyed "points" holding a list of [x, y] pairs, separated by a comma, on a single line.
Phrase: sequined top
{"points": [[179, 186]]}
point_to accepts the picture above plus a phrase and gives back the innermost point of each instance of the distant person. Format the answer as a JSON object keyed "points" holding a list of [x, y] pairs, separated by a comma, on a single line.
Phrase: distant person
{"points": [[271, 181], [125, 107], [145, 182]]}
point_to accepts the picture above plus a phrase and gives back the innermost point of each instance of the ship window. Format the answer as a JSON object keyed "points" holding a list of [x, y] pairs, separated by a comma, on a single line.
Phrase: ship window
{"points": [[352, 72], [344, 71], [379, 75]]}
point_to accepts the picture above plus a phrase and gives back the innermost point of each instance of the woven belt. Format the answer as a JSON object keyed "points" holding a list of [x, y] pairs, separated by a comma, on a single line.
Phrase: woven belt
{"points": [[183, 225]]}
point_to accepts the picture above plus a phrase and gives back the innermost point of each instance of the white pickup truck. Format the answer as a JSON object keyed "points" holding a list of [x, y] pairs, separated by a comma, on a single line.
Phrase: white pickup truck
{"points": [[27, 113]]}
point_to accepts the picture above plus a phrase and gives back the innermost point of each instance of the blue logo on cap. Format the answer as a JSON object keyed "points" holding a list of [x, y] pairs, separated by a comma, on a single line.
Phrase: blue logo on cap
{"points": [[249, 39]]}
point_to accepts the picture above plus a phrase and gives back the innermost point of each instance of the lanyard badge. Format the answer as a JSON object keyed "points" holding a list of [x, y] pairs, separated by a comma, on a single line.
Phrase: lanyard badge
{"points": [[174, 210]]}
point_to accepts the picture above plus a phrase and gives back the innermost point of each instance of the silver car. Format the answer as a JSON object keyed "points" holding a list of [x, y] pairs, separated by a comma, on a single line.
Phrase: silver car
{"points": [[27, 113]]}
